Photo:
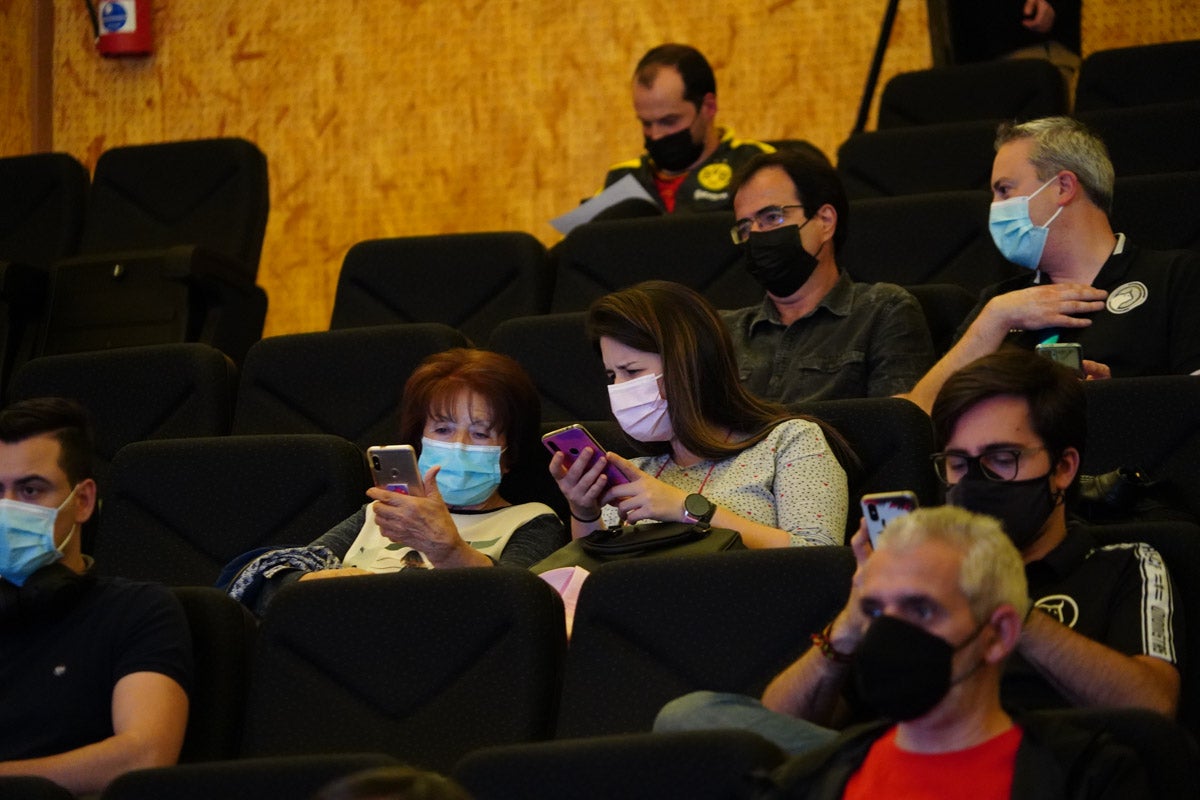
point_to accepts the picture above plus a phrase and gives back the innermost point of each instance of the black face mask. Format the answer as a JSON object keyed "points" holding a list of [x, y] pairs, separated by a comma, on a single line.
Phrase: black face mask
{"points": [[674, 152], [902, 671], [1021, 506], [778, 261]]}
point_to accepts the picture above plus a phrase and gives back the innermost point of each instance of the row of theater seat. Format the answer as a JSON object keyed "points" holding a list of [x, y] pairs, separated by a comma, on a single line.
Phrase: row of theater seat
{"points": [[466, 671], [164, 242], [476, 281], [332, 383]]}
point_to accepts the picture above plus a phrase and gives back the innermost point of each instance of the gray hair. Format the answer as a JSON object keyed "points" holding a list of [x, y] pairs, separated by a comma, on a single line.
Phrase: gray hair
{"points": [[1062, 143], [992, 572]]}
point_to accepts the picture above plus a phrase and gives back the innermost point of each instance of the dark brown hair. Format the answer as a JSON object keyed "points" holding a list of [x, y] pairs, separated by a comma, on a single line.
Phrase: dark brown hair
{"points": [[693, 68], [65, 420], [700, 377], [1057, 403]]}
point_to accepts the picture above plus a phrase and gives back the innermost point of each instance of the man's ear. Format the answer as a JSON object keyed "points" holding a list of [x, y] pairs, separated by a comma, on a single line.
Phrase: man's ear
{"points": [[1068, 186], [827, 217], [708, 106], [1065, 469], [85, 500], [1007, 623]]}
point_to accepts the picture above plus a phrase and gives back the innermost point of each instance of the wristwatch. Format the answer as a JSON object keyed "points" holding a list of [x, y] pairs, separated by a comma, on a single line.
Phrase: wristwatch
{"points": [[698, 509]]}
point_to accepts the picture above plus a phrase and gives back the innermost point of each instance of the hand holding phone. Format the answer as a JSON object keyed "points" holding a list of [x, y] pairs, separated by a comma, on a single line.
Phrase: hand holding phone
{"points": [[1069, 354], [882, 507], [394, 467], [571, 440]]}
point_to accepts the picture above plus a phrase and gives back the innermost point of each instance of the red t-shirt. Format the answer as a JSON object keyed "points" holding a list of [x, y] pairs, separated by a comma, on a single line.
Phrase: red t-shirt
{"points": [[667, 187], [982, 772]]}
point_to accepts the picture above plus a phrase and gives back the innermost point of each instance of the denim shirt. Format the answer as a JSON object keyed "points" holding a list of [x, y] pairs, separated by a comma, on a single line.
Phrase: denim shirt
{"points": [[862, 340]]}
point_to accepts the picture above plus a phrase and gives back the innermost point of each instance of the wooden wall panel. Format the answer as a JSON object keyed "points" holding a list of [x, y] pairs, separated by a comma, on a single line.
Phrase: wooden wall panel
{"points": [[399, 117], [17, 78]]}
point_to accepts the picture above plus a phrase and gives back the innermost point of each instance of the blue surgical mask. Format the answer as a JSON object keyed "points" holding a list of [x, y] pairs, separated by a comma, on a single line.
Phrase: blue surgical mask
{"points": [[27, 538], [470, 472], [1015, 235]]}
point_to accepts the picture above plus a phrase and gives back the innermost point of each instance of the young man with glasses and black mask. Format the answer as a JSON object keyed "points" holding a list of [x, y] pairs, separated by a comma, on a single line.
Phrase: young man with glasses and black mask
{"points": [[689, 161], [1103, 631], [816, 335]]}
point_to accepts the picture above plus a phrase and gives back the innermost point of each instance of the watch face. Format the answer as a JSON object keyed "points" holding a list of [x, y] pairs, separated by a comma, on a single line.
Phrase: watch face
{"points": [[698, 506]]}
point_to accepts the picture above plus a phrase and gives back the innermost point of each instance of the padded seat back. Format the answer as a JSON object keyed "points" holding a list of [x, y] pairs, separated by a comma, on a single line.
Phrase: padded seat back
{"points": [[223, 633], [649, 630], [212, 193], [286, 778], [1021, 89], [693, 249], [565, 368], [699, 765], [950, 156], [1152, 423], [1134, 76], [345, 382], [892, 438], [42, 198], [1148, 139], [936, 237], [469, 281], [1159, 211], [168, 391], [425, 665], [180, 509]]}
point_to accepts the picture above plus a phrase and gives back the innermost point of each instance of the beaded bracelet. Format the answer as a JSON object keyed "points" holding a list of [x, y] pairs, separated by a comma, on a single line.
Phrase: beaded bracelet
{"points": [[822, 643], [581, 519]]}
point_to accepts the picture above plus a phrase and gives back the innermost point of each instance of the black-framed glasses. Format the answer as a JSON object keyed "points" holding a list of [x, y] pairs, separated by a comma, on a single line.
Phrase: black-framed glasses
{"points": [[1000, 465], [768, 217]]}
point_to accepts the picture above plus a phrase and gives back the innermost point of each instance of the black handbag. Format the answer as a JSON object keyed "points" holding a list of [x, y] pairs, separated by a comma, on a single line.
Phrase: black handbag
{"points": [[638, 541]]}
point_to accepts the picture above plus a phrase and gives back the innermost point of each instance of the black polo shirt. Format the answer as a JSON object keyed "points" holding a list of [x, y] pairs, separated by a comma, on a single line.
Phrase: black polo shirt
{"points": [[1150, 324], [1119, 595]]}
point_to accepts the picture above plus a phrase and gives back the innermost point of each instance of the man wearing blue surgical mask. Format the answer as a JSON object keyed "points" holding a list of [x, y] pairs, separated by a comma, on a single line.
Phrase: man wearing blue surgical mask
{"points": [[94, 669], [689, 161], [1132, 310]]}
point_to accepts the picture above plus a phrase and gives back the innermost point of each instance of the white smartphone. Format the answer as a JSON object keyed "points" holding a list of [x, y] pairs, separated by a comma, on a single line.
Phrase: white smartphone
{"points": [[394, 467], [881, 508], [1069, 354]]}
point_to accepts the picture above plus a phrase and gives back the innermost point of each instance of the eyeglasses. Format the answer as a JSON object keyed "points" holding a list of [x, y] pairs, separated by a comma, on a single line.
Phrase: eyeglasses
{"points": [[769, 217], [995, 465]]}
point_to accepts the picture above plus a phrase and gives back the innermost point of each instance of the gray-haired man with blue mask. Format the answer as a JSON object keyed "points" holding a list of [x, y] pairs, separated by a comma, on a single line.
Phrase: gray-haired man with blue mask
{"points": [[1133, 311]]}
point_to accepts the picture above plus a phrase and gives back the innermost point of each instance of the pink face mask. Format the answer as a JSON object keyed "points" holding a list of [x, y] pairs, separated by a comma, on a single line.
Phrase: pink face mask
{"points": [[640, 409]]}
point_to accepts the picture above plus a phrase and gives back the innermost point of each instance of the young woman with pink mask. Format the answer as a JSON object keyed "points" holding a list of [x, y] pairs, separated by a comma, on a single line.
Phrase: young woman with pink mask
{"points": [[718, 454]]}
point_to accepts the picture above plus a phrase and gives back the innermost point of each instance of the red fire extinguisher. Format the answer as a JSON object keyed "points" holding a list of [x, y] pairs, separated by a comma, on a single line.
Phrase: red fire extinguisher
{"points": [[123, 27]]}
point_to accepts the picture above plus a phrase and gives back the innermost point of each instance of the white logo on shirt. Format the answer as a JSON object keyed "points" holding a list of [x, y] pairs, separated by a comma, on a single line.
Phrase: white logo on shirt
{"points": [[1061, 607], [1127, 297]]}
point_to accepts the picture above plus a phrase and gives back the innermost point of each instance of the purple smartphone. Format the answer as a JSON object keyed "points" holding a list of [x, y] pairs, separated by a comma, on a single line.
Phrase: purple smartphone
{"points": [[571, 440]]}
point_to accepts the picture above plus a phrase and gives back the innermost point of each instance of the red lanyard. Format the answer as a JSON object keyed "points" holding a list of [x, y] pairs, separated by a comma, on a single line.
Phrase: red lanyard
{"points": [[707, 475]]}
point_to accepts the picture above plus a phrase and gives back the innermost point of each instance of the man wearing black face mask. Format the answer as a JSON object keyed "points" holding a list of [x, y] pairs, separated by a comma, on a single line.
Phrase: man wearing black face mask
{"points": [[817, 335], [689, 161], [1012, 426], [936, 611]]}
